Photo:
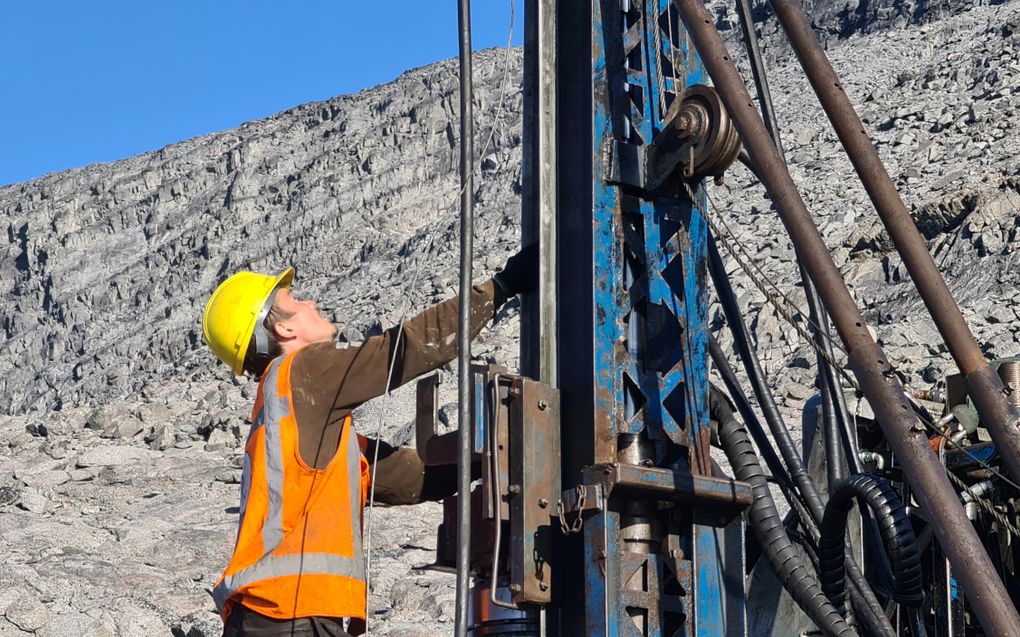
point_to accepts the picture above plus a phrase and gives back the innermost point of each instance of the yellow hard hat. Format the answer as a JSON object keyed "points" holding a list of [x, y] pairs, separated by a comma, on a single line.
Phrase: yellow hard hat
{"points": [[237, 306]]}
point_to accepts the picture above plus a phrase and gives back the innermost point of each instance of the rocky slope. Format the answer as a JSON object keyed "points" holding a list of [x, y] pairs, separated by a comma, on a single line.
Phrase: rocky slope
{"points": [[119, 452]]}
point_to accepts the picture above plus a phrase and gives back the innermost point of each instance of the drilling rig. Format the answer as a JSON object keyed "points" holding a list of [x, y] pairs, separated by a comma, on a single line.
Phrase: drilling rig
{"points": [[600, 510]]}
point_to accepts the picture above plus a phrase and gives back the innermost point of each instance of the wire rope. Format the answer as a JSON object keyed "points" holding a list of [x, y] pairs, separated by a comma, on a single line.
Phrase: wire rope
{"points": [[725, 235], [414, 281], [956, 445]]}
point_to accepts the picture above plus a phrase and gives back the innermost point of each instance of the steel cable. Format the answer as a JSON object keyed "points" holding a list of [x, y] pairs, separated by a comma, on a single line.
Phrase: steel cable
{"points": [[984, 504]]}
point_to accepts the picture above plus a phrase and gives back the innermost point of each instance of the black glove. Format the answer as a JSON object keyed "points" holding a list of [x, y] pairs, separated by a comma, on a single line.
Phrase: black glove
{"points": [[520, 274]]}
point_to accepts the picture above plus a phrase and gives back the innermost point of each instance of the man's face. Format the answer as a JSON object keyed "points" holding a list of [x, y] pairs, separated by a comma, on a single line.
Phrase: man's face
{"points": [[306, 324]]}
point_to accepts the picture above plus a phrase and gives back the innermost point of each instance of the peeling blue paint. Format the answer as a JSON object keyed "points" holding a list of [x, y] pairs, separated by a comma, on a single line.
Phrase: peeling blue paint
{"points": [[670, 253]]}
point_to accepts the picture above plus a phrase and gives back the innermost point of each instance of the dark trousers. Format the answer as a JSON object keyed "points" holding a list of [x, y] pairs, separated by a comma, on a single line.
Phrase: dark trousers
{"points": [[244, 622]]}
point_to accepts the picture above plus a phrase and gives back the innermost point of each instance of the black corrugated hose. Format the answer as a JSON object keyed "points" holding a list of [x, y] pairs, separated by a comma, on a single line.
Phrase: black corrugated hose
{"points": [[894, 527], [794, 574], [869, 611]]}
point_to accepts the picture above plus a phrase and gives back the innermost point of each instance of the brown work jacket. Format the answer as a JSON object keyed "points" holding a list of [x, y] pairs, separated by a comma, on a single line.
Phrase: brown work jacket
{"points": [[329, 381]]}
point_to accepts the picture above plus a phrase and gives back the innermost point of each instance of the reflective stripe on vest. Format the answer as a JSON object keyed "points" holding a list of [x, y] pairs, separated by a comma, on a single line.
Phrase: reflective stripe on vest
{"points": [[271, 556]]}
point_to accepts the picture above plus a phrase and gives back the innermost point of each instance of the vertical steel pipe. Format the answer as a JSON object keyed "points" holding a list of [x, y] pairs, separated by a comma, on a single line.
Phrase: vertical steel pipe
{"points": [[467, 229], [904, 432], [538, 189], [983, 385]]}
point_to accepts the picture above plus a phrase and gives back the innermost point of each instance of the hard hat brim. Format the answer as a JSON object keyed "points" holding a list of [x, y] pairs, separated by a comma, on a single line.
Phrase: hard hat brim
{"points": [[285, 279]]}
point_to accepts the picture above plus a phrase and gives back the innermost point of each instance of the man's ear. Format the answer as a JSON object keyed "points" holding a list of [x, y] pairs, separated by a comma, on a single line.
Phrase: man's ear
{"points": [[283, 331]]}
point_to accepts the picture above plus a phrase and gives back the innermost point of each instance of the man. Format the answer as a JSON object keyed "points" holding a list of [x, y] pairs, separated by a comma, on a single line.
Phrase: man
{"points": [[298, 566]]}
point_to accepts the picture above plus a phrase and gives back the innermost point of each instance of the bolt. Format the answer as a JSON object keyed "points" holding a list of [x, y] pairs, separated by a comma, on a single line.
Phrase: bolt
{"points": [[543, 502], [543, 405], [543, 585], [685, 122], [513, 489], [515, 588]]}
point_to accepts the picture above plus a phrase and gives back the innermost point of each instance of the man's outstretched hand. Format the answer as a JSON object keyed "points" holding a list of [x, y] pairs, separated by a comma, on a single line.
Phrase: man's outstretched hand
{"points": [[520, 274]]}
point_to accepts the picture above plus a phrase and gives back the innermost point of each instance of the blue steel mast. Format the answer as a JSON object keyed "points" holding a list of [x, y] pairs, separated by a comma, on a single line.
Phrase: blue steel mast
{"points": [[632, 342]]}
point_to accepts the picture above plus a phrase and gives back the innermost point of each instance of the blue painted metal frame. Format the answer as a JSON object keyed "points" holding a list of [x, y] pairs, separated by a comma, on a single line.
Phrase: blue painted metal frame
{"points": [[650, 334]]}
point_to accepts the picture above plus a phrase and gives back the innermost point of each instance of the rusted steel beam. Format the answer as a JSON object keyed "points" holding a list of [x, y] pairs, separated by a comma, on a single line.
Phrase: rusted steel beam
{"points": [[893, 411], [984, 385], [675, 486]]}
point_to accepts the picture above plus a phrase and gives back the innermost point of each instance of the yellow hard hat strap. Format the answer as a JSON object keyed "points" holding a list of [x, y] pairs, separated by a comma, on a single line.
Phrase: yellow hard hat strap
{"points": [[260, 334]]}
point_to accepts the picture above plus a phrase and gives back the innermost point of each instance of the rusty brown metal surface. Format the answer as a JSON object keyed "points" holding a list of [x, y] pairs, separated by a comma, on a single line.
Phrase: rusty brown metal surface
{"points": [[894, 413], [985, 388], [496, 454], [991, 399], [534, 488], [433, 448], [674, 486]]}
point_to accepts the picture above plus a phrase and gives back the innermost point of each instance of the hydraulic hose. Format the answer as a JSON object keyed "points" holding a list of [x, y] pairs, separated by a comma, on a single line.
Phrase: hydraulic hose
{"points": [[729, 377], [794, 574], [869, 611], [742, 340], [933, 490], [894, 527]]}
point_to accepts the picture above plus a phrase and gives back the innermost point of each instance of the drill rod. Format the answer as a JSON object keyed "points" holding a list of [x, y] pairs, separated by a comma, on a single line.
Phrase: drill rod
{"points": [[467, 229]]}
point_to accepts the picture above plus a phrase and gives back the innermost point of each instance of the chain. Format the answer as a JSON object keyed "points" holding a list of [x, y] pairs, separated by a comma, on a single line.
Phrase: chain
{"points": [[576, 525]]}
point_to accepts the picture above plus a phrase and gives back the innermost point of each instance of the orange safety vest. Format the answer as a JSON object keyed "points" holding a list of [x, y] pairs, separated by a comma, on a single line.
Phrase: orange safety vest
{"points": [[298, 551]]}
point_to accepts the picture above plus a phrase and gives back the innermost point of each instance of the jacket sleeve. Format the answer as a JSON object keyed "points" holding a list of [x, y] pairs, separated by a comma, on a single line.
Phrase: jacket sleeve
{"points": [[402, 478], [347, 377], [399, 472]]}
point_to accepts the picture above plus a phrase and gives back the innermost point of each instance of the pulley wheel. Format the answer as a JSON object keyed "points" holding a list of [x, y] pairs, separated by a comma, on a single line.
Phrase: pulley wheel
{"points": [[715, 140]]}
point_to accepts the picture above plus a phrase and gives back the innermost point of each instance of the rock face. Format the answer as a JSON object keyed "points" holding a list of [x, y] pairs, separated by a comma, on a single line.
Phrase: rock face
{"points": [[835, 20], [120, 447], [109, 266]]}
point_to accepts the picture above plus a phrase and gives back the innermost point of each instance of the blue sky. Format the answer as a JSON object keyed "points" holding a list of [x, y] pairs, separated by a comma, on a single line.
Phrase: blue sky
{"points": [[96, 81]]}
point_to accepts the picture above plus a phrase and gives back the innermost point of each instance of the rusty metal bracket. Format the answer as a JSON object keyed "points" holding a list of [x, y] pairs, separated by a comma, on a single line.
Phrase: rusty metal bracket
{"points": [[726, 497], [433, 448], [534, 433]]}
